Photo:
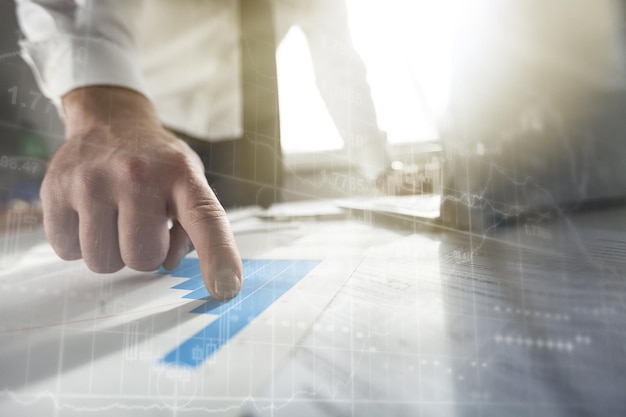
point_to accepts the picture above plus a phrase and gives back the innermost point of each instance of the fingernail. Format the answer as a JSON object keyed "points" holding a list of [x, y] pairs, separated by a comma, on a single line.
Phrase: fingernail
{"points": [[227, 284]]}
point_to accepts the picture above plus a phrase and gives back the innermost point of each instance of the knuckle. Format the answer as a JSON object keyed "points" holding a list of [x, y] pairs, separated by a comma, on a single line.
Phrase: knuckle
{"points": [[184, 162], [101, 267], [89, 183], [53, 186], [143, 264], [179, 158], [207, 210], [67, 254], [66, 247], [141, 178], [102, 259], [62, 235], [136, 170], [146, 259], [143, 253], [184, 168], [47, 192]]}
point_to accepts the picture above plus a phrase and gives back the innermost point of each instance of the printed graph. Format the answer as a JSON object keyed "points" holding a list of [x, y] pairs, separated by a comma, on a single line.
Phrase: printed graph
{"points": [[264, 282]]}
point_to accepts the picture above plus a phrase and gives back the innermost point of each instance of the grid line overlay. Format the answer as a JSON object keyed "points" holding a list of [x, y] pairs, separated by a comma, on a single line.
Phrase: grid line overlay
{"points": [[264, 282]]}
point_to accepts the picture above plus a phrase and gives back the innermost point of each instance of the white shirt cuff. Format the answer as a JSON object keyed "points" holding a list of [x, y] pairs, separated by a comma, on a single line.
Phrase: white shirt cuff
{"points": [[64, 63]]}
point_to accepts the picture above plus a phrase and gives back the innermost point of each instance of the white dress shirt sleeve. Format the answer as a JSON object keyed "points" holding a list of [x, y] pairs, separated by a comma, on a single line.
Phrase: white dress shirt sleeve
{"points": [[77, 43]]}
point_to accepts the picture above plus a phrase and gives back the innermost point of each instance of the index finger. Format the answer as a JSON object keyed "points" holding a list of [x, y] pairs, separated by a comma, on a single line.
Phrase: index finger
{"points": [[198, 211]]}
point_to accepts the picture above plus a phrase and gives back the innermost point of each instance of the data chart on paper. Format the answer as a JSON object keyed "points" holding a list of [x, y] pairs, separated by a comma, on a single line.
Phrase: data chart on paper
{"points": [[135, 343]]}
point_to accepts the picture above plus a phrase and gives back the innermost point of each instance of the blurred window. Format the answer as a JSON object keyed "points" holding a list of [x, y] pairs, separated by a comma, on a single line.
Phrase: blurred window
{"points": [[406, 48]]}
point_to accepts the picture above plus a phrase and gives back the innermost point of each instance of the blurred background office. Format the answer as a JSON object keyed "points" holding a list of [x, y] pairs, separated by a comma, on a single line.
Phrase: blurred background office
{"points": [[393, 58], [470, 76], [30, 130]]}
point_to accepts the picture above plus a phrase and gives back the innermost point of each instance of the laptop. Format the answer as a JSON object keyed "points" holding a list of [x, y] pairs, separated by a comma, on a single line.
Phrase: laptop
{"points": [[536, 161]]}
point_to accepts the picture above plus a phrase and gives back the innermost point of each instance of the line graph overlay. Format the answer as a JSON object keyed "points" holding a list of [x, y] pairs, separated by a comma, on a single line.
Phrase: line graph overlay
{"points": [[96, 344], [264, 282]]}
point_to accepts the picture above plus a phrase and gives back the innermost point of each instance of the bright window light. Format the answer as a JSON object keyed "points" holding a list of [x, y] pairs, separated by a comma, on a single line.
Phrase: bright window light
{"points": [[305, 124], [406, 47]]}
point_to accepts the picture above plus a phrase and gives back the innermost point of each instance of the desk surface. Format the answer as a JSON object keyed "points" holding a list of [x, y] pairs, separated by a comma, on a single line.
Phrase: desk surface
{"points": [[374, 321]]}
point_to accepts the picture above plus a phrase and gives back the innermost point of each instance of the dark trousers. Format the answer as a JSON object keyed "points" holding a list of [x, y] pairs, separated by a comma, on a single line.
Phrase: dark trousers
{"points": [[248, 171], [242, 172]]}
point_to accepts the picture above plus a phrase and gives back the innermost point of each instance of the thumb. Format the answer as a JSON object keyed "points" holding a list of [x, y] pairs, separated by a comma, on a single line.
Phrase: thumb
{"points": [[201, 215]]}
